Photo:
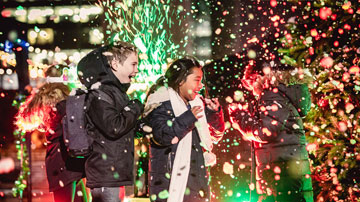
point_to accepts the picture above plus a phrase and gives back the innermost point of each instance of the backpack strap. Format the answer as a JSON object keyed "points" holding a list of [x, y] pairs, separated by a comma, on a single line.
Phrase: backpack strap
{"points": [[103, 96]]}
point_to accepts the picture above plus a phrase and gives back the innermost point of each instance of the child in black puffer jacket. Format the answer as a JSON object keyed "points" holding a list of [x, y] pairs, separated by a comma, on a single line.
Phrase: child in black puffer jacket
{"points": [[110, 69]]}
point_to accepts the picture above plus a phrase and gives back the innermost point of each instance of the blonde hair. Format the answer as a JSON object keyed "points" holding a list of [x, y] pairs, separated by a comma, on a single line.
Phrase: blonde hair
{"points": [[119, 51], [38, 110]]}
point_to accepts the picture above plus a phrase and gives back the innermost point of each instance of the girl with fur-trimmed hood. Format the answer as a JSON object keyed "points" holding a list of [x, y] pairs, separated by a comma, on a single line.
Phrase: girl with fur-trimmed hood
{"points": [[44, 110], [181, 142], [275, 126]]}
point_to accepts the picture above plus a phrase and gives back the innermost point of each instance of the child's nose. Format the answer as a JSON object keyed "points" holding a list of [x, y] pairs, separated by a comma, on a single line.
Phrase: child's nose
{"points": [[201, 85]]}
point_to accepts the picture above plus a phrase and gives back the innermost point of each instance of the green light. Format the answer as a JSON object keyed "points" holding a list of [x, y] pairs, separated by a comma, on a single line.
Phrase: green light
{"points": [[140, 45], [146, 25]]}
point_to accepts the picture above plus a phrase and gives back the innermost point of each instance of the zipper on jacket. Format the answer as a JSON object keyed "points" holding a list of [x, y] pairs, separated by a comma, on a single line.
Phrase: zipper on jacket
{"points": [[169, 168]]}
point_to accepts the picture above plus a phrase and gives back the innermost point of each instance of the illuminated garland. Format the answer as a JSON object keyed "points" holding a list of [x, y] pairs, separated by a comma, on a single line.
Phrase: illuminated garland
{"points": [[8, 60], [27, 123], [22, 155]]}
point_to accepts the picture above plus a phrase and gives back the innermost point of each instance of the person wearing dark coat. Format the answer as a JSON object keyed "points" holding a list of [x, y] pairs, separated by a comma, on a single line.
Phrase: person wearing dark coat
{"points": [[180, 151], [274, 124], [62, 170], [111, 125], [48, 104]]}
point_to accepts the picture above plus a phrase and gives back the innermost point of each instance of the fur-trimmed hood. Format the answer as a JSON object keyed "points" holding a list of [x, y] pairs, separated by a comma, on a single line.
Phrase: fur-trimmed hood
{"points": [[294, 84], [155, 99], [274, 78]]}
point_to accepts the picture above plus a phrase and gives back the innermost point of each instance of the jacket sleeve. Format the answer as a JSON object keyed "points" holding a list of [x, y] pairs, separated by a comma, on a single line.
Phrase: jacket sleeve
{"points": [[165, 126], [111, 121], [265, 123], [216, 121]]}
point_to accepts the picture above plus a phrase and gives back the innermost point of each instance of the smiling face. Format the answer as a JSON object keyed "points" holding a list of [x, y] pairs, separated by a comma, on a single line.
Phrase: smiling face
{"points": [[127, 70], [189, 88]]}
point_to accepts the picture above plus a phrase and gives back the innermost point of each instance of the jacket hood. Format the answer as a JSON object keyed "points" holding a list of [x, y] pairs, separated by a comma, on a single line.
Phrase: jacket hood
{"points": [[155, 99], [299, 96], [94, 68]]}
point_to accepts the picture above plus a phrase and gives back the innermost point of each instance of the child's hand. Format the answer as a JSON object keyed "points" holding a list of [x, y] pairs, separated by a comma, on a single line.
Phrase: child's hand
{"points": [[196, 111], [212, 104], [175, 140]]}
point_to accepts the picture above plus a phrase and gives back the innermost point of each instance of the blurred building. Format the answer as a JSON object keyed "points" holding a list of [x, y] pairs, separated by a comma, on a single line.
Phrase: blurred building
{"points": [[54, 32], [34, 34]]}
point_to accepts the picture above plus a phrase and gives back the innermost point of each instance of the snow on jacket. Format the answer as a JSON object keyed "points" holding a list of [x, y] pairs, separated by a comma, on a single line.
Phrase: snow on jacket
{"points": [[61, 169], [162, 152], [111, 161]]}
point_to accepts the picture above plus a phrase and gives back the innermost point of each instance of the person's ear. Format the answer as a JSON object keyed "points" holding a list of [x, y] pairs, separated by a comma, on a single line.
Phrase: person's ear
{"points": [[114, 65]]}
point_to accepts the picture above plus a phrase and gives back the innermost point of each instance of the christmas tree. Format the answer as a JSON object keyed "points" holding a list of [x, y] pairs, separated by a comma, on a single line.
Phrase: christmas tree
{"points": [[325, 39]]}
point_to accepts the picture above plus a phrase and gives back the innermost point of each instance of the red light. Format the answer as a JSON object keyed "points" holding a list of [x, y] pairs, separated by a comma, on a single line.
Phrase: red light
{"points": [[341, 31], [6, 13], [354, 70], [274, 107], [273, 3], [326, 62], [313, 32], [325, 13], [347, 27], [333, 16], [311, 51], [346, 77], [351, 11]]}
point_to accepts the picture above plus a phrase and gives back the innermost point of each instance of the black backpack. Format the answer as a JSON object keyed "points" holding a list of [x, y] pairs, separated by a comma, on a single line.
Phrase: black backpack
{"points": [[75, 125]]}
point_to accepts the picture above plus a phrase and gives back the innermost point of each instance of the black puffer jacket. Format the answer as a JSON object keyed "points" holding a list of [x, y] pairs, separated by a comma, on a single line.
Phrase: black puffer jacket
{"points": [[61, 169], [111, 161], [277, 119], [162, 152]]}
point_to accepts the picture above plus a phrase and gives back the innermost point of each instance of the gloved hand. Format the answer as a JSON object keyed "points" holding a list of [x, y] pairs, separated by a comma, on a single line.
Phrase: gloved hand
{"points": [[138, 105]]}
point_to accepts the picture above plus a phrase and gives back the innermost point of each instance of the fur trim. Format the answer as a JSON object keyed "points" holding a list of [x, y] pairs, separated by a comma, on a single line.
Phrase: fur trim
{"points": [[155, 99], [274, 78]]}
